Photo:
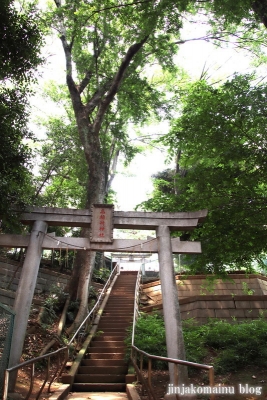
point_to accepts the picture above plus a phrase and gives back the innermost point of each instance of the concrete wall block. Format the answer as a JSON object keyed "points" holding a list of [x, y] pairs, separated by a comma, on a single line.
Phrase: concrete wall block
{"points": [[202, 321], [15, 281], [7, 301], [228, 292], [208, 312], [191, 314], [6, 272], [10, 267], [219, 313], [242, 304], [217, 286], [257, 304], [185, 282], [184, 293], [254, 285], [152, 289], [184, 290], [201, 304], [226, 304], [187, 315], [230, 286], [198, 281], [214, 304], [187, 307], [252, 313], [237, 313], [42, 281], [5, 279], [39, 288]]}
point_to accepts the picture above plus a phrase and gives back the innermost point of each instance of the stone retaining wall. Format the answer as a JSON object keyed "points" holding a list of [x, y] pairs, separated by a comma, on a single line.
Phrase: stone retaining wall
{"points": [[236, 284], [228, 308], [9, 278], [238, 298]]}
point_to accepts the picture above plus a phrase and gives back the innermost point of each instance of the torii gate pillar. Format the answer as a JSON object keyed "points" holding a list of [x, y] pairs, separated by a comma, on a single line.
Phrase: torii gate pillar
{"points": [[171, 308], [27, 285]]}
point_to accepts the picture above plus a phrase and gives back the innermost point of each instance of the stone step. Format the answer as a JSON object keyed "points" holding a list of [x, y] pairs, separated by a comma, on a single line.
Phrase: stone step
{"points": [[106, 356], [116, 319], [117, 313], [98, 396], [114, 328], [108, 343], [99, 387], [94, 369], [104, 362], [113, 323], [105, 338], [99, 349], [99, 378]]}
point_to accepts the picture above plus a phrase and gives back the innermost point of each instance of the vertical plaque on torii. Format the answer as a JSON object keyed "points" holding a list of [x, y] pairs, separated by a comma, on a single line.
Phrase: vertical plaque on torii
{"points": [[102, 223]]}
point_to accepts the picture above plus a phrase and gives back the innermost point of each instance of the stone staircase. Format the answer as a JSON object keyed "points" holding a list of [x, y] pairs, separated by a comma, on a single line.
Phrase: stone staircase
{"points": [[104, 369]]}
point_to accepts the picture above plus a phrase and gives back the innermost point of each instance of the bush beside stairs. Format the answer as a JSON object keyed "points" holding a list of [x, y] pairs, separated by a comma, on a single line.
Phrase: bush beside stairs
{"points": [[103, 368]]}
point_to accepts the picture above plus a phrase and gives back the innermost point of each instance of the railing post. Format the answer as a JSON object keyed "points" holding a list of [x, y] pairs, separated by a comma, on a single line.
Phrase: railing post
{"points": [[211, 381], [176, 375], [149, 373], [141, 371], [6, 382]]}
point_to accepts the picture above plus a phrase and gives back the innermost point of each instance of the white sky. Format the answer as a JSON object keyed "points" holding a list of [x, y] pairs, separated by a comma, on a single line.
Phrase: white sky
{"points": [[135, 187], [133, 184]]}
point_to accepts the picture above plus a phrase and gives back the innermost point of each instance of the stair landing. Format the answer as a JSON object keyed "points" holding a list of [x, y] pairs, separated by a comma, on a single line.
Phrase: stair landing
{"points": [[97, 396]]}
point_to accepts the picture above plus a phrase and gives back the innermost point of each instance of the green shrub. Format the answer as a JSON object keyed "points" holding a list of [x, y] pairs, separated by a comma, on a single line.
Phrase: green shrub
{"points": [[149, 336], [234, 345], [52, 304]]}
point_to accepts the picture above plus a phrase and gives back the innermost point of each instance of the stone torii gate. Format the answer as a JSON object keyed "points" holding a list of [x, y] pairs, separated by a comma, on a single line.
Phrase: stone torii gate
{"points": [[102, 219]]}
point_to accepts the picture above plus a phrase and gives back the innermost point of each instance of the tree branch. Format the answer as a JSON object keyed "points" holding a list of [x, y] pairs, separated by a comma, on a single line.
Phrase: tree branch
{"points": [[85, 81], [116, 82]]}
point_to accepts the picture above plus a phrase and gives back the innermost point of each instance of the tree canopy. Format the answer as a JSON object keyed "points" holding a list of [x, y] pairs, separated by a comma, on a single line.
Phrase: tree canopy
{"points": [[17, 64], [220, 142]]}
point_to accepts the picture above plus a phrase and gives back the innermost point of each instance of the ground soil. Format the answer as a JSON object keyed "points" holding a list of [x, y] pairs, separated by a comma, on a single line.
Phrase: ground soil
{"points": [[251, 375]]}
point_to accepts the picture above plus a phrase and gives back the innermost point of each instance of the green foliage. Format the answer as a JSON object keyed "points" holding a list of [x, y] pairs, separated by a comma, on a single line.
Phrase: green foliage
{"points": [[19, 56], [72, 310], [101, 275], [220, 147], [21, 38], [52, 304], [150, 335], [61, 181], [234, 345]]}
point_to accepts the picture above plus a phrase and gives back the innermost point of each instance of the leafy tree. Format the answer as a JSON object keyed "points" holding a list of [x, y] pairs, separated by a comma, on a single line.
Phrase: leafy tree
{"points": [[19, 55], [222, 141], [106, 50]]}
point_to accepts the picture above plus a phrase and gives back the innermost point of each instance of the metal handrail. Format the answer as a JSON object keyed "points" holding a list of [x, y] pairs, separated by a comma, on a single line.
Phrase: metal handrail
{"points": [[148, 385], [176, 362], [136, 301], [57, 352]]}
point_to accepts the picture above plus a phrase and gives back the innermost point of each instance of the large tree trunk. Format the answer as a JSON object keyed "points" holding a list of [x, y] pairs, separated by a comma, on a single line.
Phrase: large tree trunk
{"points": [[85, 260], [89, 118]]}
